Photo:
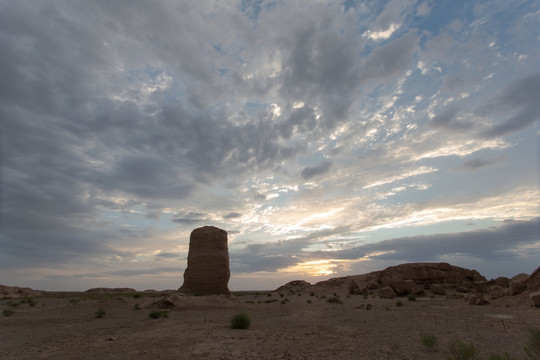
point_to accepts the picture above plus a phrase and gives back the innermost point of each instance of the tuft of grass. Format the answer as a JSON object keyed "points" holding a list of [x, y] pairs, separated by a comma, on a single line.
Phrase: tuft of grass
{"points": [[411, 297], [8, 312], [334, 300], [532, 349], [240, 320], [497, 356], [460, 350], [399, 303], [100, 313], [430, 341]]}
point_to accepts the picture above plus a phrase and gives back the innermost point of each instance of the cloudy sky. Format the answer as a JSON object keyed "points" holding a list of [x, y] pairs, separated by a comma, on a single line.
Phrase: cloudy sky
{"points": [[327, 137]]}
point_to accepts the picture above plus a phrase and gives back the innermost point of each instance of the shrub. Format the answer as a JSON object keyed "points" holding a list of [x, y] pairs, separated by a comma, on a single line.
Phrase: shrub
{"points": [[312, 294], [240, 321], [100, 313], [411, 297], [460, 350], [137, 295], [8, 312], [399, 303], [308, 301], [155, 314], [430, 341], [334, 300], [136, 307], [532, 349], [74, 301]]}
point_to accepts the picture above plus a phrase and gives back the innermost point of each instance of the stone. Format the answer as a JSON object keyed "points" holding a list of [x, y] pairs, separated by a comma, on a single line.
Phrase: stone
{"points": [[477, 299], [533, 281], [437, 289], [387, 292], [502, 281], [535, 298], [481, 286], [207, 271], [497, 291], [518, 286], [406, 287]]}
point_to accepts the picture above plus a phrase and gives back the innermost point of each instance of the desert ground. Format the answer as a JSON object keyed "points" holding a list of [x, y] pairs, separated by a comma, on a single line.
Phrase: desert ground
{"points": [[293, 324]]}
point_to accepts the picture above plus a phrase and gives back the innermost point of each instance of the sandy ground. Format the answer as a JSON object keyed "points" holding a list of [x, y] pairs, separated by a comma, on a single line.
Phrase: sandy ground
{"points": [[304, 326]]}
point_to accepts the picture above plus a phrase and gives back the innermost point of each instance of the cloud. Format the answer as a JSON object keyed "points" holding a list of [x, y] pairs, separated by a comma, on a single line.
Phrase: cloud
{"points": [[476, 164], [491, 244], [391, 59], [312, 171], [521, 100]]}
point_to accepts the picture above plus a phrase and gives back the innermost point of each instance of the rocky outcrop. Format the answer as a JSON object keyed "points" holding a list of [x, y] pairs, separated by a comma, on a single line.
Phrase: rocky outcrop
{"points": [[16, 292], [412, 278], [207, 271], [295, 285]]}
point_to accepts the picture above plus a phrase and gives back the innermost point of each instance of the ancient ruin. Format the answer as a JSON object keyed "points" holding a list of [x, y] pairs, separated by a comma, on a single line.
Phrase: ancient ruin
{"points": [[207, 271]]}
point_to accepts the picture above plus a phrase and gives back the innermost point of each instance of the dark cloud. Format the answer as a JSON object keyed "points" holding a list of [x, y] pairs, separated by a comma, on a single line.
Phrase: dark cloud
{"points": [[191, 218], [448, 119], [477, 163], [312, 171], [391, 59], [232, 215], [521, 100]]}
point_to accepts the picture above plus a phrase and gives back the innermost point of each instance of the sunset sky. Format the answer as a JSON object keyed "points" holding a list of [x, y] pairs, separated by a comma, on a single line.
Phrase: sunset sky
{"points": [[328, 138]]}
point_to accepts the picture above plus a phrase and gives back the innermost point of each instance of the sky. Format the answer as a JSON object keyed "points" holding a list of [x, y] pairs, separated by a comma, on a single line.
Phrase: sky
{"points": [[328, 138]]}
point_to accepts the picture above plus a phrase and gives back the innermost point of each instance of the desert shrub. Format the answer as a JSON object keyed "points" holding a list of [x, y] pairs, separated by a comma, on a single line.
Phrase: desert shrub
{"points": [[74, 301], [497, 356], [8, 312], [334, 300], [532, 349], [100, 313], [312, 294], [281, 295], [430, 341], [411, 297], [460, 350], [399, 303], [240, 321], [136, 307], [13, 303], [308, 301], [137, 295], [155, 314]]}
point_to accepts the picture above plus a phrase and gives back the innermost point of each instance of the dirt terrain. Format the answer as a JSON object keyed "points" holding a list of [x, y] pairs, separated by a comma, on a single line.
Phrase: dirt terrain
{"points": [[295, 324]]}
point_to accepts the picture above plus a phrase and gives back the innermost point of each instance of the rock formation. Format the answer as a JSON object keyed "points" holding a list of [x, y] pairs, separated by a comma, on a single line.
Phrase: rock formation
{"points": [[207, 271], [412, 278]]}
